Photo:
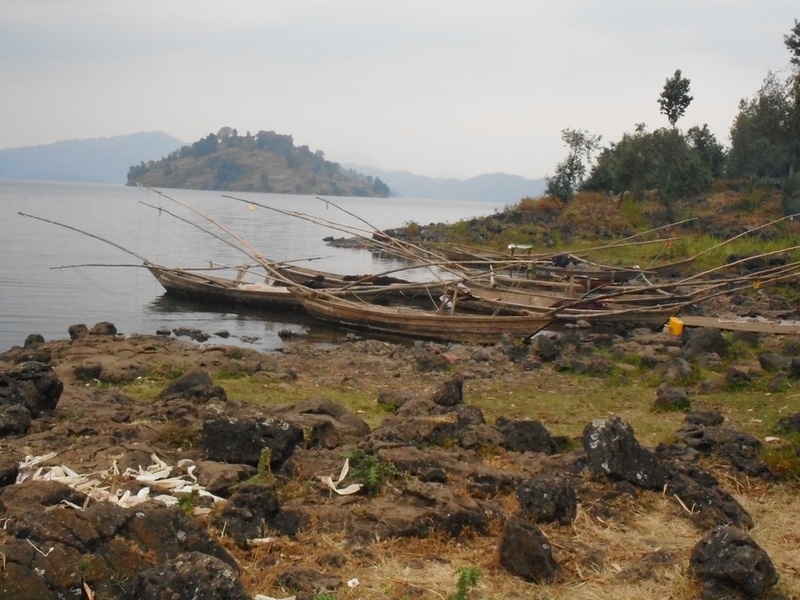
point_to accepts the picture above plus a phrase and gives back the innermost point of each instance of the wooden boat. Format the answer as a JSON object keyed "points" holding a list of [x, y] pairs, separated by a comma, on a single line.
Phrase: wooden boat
{"points": [[268, 294], [191, 285], [442, 326]]}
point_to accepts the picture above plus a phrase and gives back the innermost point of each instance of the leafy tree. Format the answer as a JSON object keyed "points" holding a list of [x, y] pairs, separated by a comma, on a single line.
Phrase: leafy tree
{"points": [[664, 160], [206, 145], [571, 171], [675, 98], [711, 153], [792, 41], [765, 136]]}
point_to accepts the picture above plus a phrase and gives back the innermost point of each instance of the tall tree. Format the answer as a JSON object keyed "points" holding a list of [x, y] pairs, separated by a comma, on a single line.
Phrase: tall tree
{"points": [[675, 98], [792, 41], [765, 136], [571, 171]]}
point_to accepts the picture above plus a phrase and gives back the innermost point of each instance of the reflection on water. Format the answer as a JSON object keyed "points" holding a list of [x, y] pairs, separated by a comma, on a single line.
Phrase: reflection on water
{"points": [[248, 326]]}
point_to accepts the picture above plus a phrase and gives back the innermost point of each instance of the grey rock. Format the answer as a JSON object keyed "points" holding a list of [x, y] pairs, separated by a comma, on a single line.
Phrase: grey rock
{"points": [[729, 562], [613, 451], [188, 576], [525, 552], [547, 498]]}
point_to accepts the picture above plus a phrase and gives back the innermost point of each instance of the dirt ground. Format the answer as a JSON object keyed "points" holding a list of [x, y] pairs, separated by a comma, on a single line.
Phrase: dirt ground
{"points": [[641, 545]]}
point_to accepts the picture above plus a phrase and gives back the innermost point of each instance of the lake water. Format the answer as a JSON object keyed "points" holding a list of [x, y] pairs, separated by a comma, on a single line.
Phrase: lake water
{"points": [[36, 296]]}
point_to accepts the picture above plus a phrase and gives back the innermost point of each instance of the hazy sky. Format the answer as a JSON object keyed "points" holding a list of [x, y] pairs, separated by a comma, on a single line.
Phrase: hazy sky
{"points": [[433, 87]]}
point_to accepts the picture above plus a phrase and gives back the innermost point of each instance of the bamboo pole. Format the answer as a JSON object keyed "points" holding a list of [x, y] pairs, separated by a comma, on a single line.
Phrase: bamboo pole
{"points": [[91, 235]]}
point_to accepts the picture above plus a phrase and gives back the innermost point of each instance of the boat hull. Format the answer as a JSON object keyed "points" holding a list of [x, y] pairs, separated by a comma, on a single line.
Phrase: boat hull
{"points": [[418, 324]]}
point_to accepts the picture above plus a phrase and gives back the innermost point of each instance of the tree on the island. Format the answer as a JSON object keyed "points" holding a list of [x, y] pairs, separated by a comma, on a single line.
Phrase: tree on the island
{"points": [[675, 98], [380, 187], [571, 171]]}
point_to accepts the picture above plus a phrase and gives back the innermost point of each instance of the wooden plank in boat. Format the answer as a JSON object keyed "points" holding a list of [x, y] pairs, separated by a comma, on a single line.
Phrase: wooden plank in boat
{"points": [[791, 328]]}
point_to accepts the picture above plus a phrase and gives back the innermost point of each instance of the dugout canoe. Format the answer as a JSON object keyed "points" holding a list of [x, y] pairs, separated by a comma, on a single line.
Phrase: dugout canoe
{"points": [[441, 326]]}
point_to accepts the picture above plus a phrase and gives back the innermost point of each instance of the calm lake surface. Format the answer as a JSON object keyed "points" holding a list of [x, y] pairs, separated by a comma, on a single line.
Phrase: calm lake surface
{"points": [[36, 296]]}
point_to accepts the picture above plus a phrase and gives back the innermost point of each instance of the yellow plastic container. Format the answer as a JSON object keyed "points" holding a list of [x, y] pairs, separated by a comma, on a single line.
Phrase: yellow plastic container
{"points": [[675, 326]]}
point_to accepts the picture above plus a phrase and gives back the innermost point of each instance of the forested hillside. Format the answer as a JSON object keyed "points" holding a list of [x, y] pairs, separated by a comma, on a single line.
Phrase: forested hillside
{"points": [[265, 162]]}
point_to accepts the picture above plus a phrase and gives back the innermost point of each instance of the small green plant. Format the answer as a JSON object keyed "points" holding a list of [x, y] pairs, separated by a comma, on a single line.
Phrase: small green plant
{"points": [[372, 471], [324, 596], [84, 564], [188, 501], [118, 581], [468, 578]]}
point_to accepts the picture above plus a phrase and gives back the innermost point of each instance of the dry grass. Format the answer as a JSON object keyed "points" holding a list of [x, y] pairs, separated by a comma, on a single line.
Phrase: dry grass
{"points": [[620, 548], [641, 551]]}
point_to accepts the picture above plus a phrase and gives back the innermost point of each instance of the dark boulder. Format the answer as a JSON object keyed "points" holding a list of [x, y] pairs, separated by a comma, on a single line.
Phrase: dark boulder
{"points": [[191, 332], [166, 531], [729, 563], [741, 449], [525, 552], [525, 436], [451, 393], [544, 347], [247, 510], [709, 505], [547, 498], [33, 340], [705, 418], [702, 341], [195, 385], [481, 436], [77, 331], [670, 398], [188, 576], [613, 451], [242, 441], [677, 369], [772, 361], [103, 328], [14, 419], [736, 377], [33, 385], [394, 399]]}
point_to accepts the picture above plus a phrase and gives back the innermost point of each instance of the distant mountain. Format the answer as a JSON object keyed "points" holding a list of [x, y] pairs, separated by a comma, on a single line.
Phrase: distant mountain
{"points": [[103, 160], [497, 187], [265, 162]]}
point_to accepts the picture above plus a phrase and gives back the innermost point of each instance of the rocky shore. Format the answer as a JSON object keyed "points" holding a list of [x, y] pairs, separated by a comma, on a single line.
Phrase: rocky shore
{"points": [[148, 467]]}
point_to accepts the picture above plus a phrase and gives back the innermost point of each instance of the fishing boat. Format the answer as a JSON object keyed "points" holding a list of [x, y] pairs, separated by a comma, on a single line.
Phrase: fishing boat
{"points": [[271, 294], [440, 325], [195, 286]]}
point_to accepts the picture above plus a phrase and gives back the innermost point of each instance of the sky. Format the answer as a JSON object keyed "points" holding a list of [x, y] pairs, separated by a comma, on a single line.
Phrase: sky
{"points": [[434, 87]]}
